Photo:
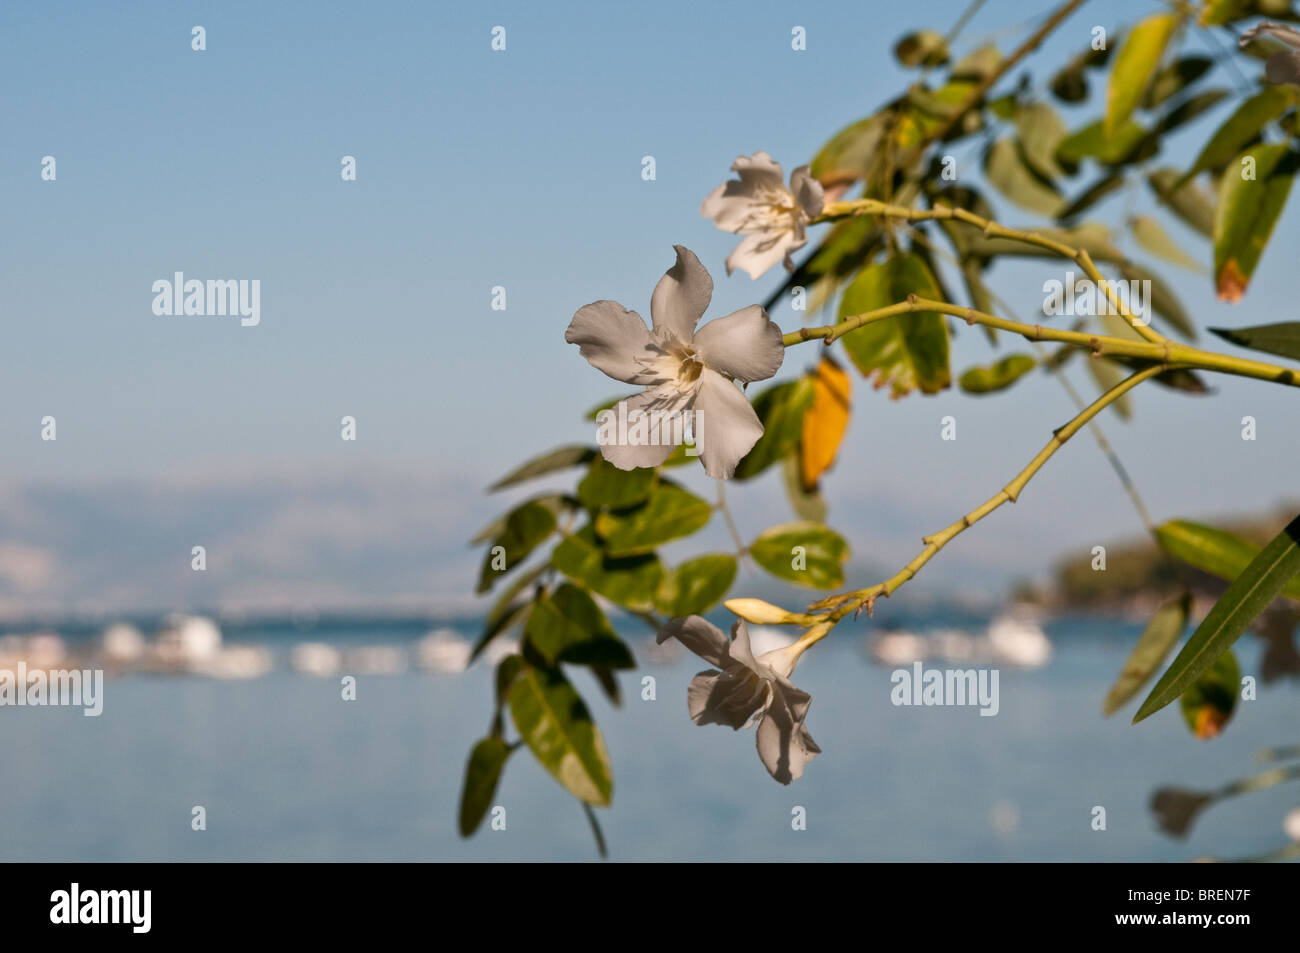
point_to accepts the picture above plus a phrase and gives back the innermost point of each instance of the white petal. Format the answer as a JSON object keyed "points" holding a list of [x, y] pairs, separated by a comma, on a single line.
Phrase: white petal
{"points": [[715, 698], [700, 636], [732, 206], [759, 252], [784, 745], [614, 339], [807, 192], [760, 170], [682, 295], [726, 427], [649, 430], [745, 345]]}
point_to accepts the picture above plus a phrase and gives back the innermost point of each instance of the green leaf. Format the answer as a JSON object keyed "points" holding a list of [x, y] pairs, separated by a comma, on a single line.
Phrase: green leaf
{"points": [[1107, 374], [567, 626], [607, 485], [1174, 78], [1282, 339], [1164, 629], [989, 378], [1135, 66], [526, 527], [1189, 109], [1212, 550], [1093, 142], [671, 513], [559, 459], [780, 409], [1041, 131], [805, 553], [1248, 595], [1240, 129], [1248, 210], [555, 502], [1151, 235], [696, 585], [905, 352], [554, 722], [1208, 705], [482, 773], [807, 504], [922, 47], [850, 153], [1219, 12], [1162, 301], [1188, 202], [1107, 184], [1009, 174], [630, 581]]}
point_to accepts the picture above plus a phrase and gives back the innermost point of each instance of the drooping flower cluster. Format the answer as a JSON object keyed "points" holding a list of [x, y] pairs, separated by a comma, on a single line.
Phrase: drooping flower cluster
{"points": [[742, 689]]}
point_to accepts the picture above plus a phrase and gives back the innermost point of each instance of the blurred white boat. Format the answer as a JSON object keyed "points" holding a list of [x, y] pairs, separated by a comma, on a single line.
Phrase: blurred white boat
{"points": [[898, 648], [315, 658], [186, 640], [444, 652], [1019, 640], [122, 643], [235, 661], [375, 660]]}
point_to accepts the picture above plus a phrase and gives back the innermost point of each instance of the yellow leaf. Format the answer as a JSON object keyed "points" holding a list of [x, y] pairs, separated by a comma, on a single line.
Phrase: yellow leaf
{"points": [[824, 423]]}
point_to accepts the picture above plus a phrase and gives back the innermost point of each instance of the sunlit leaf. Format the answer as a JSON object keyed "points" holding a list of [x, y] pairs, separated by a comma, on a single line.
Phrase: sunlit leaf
{"points": [[1241, 128], [1209, 703], [670, 513], [629, 581], [1212, 550], [989, 378], [1008, 173], [905, 352], [1282, 339], [1194, 206], [1154, 645], [696, 585], [825, 422], [607, 485], [559, 459], [554, 722], [1248, 209], [1125, 144], [921, 48], [1247, 596], [482, 774], [1152, 236], [780, 409], [1135, 66], [808, 554], [567, 626], [525, 529]]}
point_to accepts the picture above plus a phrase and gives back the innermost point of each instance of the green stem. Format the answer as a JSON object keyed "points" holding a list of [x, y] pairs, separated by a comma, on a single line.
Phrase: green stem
{"points": [[838, 606], [1164, 351]]}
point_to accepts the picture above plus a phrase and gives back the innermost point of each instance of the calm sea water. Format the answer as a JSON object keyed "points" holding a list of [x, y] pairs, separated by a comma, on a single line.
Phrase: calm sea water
{"points": [[288, 771]]}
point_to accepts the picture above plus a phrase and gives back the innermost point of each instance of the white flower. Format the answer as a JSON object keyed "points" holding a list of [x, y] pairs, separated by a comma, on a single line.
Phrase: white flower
{"points": [[746, 689], [761, 207], [688, 375]]}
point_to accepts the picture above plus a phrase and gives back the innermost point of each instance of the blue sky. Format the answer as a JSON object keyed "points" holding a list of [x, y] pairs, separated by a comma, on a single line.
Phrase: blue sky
{"points": [[522, 169]]}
